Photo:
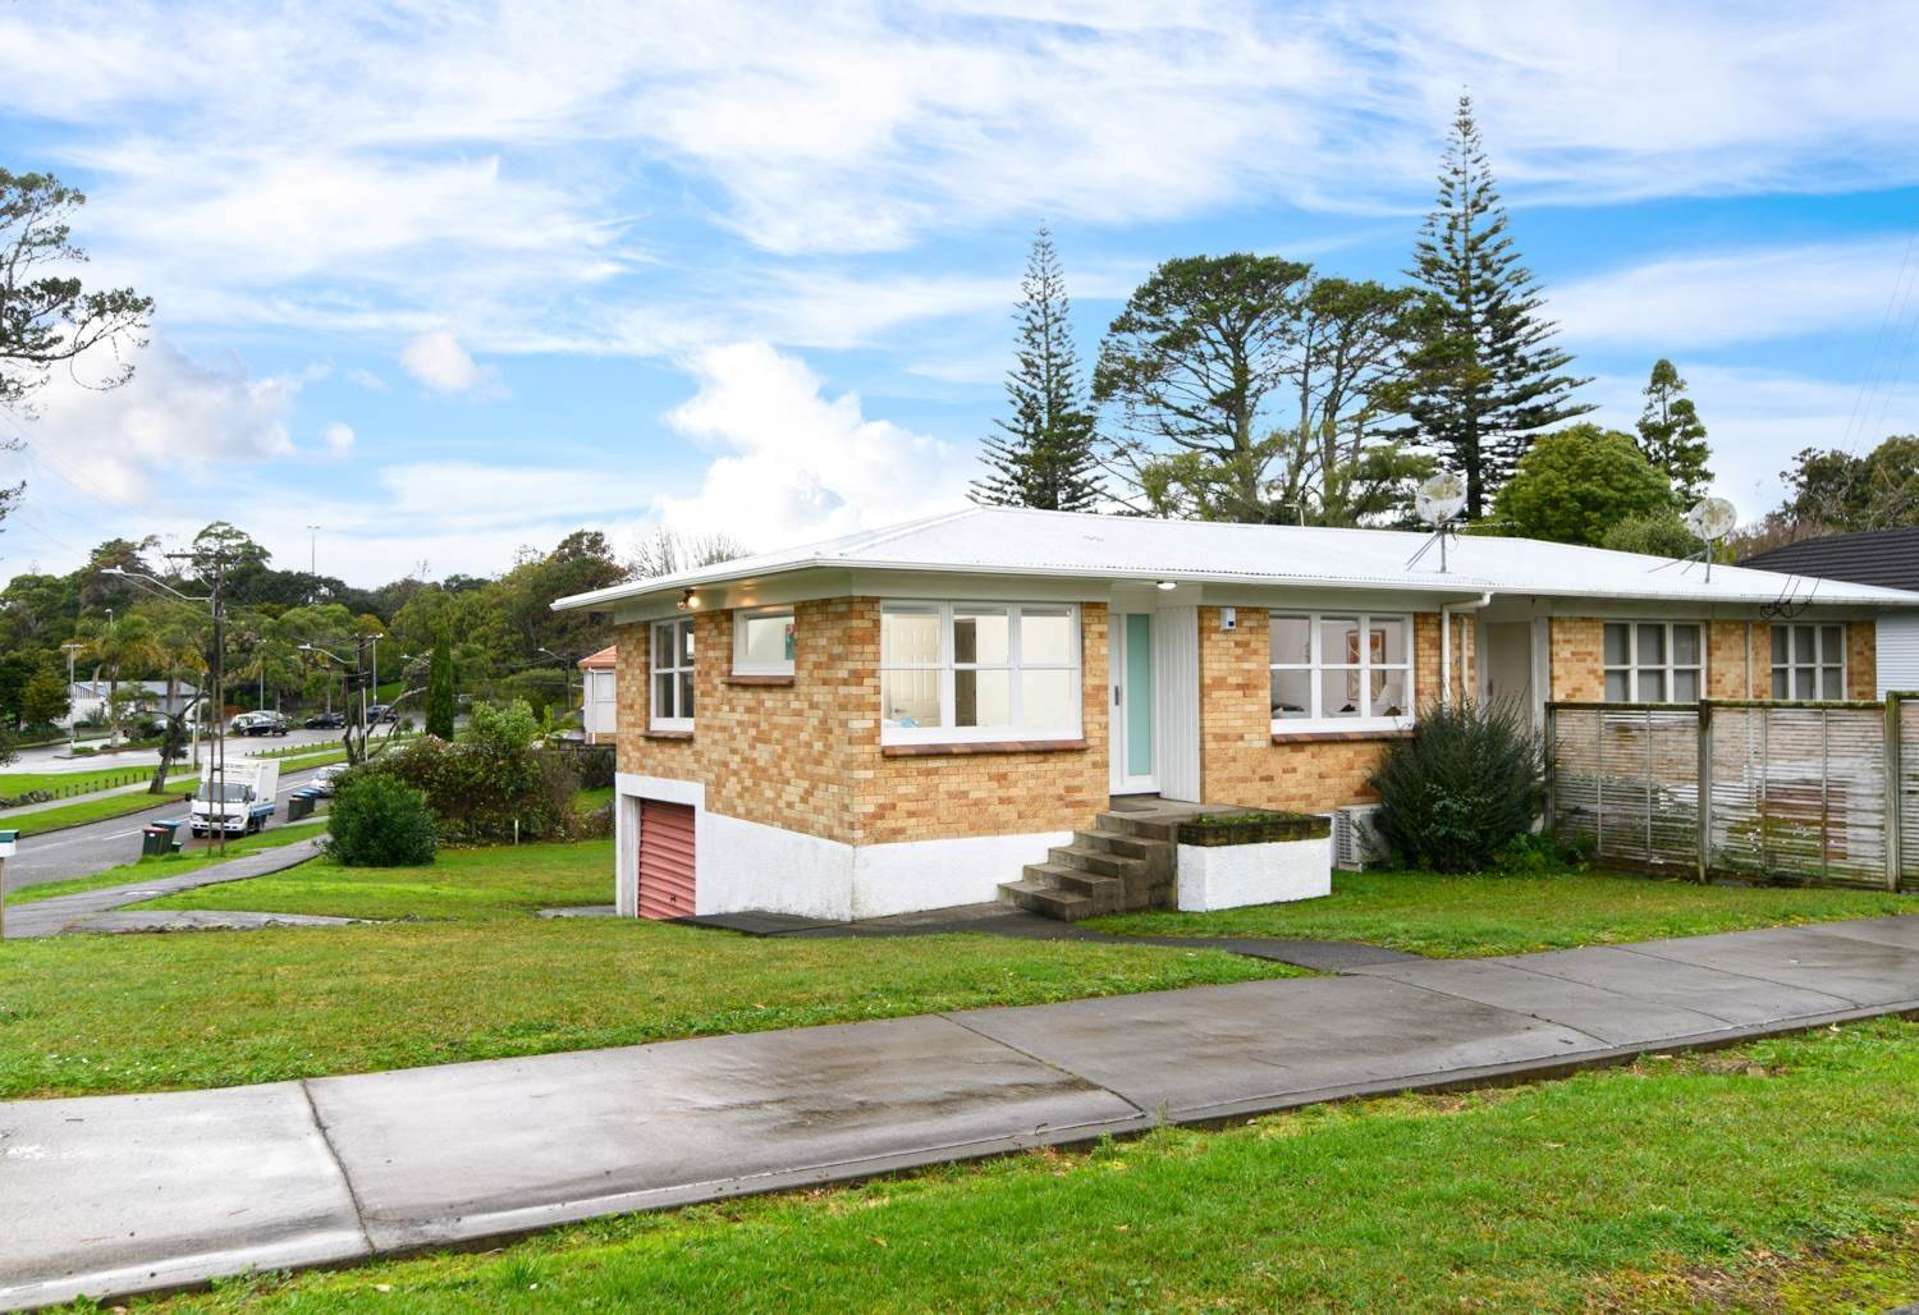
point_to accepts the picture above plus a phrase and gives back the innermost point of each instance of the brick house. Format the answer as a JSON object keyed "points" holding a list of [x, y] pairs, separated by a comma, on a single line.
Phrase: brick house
{"points": [[903, 719]]}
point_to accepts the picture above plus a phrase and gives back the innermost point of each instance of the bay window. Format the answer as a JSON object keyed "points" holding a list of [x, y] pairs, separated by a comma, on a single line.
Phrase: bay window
{"points": [[1341, 672], [672, 690], [979, 671], [1654, 661], [1809, 662]]}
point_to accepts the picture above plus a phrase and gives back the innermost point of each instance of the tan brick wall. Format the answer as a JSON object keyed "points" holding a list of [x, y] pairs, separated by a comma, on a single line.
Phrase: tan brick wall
{"points": [[1862, 660], [1577, 659], [1729, 672], [807, 756], [1733, 671]]}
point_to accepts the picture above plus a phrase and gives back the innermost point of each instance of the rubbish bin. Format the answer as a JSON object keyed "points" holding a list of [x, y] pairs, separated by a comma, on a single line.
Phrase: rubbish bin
{"points": [[299, 805], [156, 841]]}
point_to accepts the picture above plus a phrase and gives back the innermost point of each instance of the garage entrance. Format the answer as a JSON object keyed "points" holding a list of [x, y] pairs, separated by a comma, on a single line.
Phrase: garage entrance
{"points": [[666, 860]]}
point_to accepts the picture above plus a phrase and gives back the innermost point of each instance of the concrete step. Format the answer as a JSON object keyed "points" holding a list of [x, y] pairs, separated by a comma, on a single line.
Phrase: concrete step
{"points": [[1138, 827], [1038, 897], [1107, 892], [1112, 842], [1088, 859]]}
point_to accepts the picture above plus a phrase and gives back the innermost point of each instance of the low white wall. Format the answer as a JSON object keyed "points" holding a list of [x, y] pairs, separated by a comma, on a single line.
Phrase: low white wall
{"points": [[1228, 876], [741, 865]]}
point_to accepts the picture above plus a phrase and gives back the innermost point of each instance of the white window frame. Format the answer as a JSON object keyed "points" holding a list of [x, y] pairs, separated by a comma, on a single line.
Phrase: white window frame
{"points": [[947, 732], [1820, 659], [1634, 667], [741, 665], [671, 648], [1316, 666]]}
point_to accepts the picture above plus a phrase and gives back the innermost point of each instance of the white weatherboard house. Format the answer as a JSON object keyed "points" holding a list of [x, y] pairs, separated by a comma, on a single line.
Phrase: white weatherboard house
{"points": [[912, 717]]}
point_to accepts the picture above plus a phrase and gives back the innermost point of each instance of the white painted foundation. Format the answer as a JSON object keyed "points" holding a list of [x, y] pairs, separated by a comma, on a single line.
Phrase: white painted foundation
{"points": [[1228, 876], [741, 865]]}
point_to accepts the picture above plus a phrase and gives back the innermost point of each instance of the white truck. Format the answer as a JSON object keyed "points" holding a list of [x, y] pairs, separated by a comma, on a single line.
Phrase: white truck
{"points": [[244, 803]]}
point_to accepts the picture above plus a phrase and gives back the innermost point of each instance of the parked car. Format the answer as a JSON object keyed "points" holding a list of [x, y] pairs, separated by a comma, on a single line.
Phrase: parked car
{"points": [[326, 721], [327, 779], [261, 723], [380, 712]]}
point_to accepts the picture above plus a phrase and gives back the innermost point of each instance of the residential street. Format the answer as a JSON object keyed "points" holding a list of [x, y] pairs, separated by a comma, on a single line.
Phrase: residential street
{"points": [[131, 1193], [83, 850], [53, 758]]}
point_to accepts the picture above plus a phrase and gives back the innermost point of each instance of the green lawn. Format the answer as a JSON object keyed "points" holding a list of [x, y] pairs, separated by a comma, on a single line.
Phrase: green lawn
{"points": [[150, 869], [1781, 1177], [13, 784], [471, 974], [1425, 913], [591, 801], [101, 809]]}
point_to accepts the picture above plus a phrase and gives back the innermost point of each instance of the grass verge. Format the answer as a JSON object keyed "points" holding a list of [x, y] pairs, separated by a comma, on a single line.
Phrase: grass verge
{"points": [[152, 869], [13, 784], [472, 975], [1784, 1172], [1492, 913], [102, 809]]}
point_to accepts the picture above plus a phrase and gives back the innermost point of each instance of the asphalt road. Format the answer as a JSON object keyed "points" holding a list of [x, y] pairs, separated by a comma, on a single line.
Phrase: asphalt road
{"points": [[52, 758], [83, 850]]}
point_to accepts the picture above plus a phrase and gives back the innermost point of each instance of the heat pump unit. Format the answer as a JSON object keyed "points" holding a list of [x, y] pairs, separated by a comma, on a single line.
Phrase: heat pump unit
{"points": [[1357, 843]]}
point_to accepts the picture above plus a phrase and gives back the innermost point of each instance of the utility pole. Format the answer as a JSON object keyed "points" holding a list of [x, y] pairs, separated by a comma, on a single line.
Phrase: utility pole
{"points": [[73, 721], [313, 549]]}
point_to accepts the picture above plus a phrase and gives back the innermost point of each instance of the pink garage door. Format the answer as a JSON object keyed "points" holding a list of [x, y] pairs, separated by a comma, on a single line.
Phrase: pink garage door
{"points": [[666, 860]]}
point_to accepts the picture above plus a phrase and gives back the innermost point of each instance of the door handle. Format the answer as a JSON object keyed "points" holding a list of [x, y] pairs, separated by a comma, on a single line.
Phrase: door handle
{"points": [[1116, 696]]}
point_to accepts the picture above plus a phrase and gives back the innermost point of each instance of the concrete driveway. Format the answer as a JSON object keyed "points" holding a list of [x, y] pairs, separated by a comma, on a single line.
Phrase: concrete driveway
{"points": [[122, 1194]]}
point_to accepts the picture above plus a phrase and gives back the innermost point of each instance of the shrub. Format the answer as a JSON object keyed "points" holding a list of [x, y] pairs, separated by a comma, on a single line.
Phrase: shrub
{"points": [[379, 821], [1462, 788], [494, 784]]}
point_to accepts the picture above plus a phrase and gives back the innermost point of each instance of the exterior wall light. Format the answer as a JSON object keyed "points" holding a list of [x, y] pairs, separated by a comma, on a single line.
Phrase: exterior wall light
{"points": [[1169, 585], [689, 601]]}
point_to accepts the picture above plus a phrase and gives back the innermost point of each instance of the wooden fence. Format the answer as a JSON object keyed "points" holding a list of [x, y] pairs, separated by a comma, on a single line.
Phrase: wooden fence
{"points": [[1822, 792]]}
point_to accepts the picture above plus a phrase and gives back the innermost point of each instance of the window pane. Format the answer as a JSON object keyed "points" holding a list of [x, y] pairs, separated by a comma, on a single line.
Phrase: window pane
{"points": [[1618, 687], [910, 698], [909, 637], [1685, 646], [1045, 637], [769, 640], [1831, 686], [1046, 699], [1685, 686], [663, 694], [1781, 645], [1652, 687], [1339, 643], [1781, 683], [1388, 642], [1802, 683], [1618, 649], [1652, 647], [982, 637], [1292, 640], [1389, 694], [983, 698], [1339, 692], [686, 694], [1834, 640], [686, 645], [1292, 694], [1802, 650]]}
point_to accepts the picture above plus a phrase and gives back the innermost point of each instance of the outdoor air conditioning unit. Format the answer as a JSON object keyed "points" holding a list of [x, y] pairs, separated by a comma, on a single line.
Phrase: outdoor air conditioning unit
{"points": [[1356, 839]]}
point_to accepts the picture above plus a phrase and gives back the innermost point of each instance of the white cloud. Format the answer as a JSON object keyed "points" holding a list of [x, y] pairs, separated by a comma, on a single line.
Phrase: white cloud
{"points": [[1749, 295], [338, 438], [437, 360], [795, 464]]}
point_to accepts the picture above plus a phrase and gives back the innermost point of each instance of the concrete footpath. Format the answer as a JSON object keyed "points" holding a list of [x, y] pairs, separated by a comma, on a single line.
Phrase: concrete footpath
{"points": [[50, 917], [109, 1196]]}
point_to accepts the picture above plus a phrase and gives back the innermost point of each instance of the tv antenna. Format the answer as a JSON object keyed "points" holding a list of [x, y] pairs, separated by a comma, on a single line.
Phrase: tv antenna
{"points": [[1438, 502]]}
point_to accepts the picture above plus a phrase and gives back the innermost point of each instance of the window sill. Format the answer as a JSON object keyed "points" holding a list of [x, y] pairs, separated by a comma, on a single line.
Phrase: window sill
{"points": [[651, 734], [752, 680], [951, 748], [1342, 737]]}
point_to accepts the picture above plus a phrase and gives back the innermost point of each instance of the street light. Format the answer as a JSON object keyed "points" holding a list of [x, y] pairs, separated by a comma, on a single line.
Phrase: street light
{"points": [[70, 648]]}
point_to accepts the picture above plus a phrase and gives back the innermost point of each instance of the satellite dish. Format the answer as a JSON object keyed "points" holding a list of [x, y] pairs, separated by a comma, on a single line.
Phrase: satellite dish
{"points": [[1440, 498], [1712, 519]]}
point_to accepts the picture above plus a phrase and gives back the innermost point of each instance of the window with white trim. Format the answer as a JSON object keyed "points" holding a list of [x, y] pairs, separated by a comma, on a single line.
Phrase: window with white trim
{"points": [[672, 694], [1809, 661], [763, 641], [1654, 661], [1341, 671], [979, 671]]}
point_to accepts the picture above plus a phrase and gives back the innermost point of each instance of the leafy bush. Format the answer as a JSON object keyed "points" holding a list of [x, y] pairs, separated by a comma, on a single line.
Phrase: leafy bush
{"points": [[480, 787], [378, 821], [1662, 534], [1462, 788]]}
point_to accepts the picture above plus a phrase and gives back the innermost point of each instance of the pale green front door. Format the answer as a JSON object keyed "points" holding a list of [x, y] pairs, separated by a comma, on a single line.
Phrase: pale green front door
{"points": [[1133, 692]]}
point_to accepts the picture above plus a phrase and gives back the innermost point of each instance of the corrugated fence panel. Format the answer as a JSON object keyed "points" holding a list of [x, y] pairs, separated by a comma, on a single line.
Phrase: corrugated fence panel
{"points": [[1629, 780]]}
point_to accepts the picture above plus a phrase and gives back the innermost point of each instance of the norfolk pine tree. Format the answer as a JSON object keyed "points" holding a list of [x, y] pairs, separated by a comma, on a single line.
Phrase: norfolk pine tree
{"points": [[1672, 436], [1043, 456], [1486, 376]]}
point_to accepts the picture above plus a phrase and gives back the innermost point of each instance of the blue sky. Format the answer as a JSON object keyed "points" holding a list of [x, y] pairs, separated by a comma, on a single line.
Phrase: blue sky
{"points": [[448, 280]]}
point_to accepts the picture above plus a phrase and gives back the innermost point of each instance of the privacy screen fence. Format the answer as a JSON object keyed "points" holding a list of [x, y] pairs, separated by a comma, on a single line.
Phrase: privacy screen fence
{"points": [[1820, 792]]}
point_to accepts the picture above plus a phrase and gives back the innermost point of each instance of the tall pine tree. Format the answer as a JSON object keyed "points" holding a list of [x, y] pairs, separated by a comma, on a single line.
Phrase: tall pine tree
{"points": [[1486, 376], [1043, 455], [1672, 435]]}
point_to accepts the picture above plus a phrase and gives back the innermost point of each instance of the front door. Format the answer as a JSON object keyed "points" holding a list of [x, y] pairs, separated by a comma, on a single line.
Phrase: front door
{"points": [[1132, 730]]}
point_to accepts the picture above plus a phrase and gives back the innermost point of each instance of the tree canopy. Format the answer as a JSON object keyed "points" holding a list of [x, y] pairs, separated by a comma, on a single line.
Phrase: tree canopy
{"points": [[1577, 484]]}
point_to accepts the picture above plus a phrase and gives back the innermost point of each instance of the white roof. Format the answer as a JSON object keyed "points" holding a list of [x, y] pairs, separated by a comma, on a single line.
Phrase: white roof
{"points": [[1015, 541]]}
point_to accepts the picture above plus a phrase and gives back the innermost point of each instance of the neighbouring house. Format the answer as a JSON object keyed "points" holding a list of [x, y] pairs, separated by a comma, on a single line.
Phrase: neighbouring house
{"points": [[1882, 557], [88, 698], [599, 709], [909, 718]]}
